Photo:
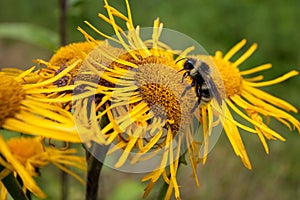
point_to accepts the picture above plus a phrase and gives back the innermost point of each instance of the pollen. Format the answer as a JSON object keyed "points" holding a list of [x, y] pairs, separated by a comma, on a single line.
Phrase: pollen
{"points": [[11, 95], [161, 86], [25, 148]]}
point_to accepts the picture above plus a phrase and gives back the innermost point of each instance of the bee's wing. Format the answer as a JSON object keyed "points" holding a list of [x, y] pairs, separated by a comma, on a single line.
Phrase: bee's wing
{"points": [[214, 90], [205, 71]]}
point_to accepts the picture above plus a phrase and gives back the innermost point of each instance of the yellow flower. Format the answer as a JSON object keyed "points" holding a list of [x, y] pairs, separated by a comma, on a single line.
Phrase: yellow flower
{"points": [[244, 97], [140, 93], [132, 88], [63, 58], [25, 155], [31, 105]]}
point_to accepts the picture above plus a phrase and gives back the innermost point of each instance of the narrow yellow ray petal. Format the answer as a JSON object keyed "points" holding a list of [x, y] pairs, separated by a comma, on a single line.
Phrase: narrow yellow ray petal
{"points": [[285, 123], [138, 110], [147, 147], [118, 33], [8, 167], [155, 35], [169, 191], [274, 81], [140, 45], [49, 111], [116, 59], [54, 133], [24, 74], [132, 117], [26, 178], [112, 121], [236, 140], [256, 69], [116, 13], [193, 163], [166, 178], [184, 53], [130, 21], [270, 98], [253, 79], [278, 113], [150, 155], [101, 33], [261, 126], [128, 148], [264, 109], [95, 128], [50, 81], [115, 147], [263, 141], [116, 71], [87, 36], [224, 116], [219, 55], [70, 172], [64, 99], [246, 55], [205, 133], [110, 22], [50, 89], [174, 167], [234, 49], [140, 143], [243, 104]]}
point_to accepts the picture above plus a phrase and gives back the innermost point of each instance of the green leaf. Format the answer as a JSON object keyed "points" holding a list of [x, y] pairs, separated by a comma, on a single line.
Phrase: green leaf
{"points": [[30, 33]]}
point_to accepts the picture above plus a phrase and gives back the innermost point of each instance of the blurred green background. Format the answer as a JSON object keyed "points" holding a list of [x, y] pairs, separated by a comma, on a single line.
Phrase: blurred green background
{"points": [[29, 30]]}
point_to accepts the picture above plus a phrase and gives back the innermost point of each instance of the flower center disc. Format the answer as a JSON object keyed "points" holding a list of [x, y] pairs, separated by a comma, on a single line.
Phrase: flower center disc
{"points": [[161, 85], [230, 75], [11, 95], [25, 148]]}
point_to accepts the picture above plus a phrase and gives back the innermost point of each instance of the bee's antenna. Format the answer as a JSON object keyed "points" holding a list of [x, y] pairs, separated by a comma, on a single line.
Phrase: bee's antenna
{"points": [[181, 60]]}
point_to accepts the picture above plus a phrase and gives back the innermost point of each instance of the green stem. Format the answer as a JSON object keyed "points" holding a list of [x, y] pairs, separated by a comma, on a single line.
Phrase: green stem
{"points": [[95, 157], [62, 21], [95, 164], [13, 186]]}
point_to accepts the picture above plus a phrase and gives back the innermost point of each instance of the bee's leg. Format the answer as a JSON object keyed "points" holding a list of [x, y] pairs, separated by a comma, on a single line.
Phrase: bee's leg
{"points": [[187, 88], [195, 106], [184, 76]]}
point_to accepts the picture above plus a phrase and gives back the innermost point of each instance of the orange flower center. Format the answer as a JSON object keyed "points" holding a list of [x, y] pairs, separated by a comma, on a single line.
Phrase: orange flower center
{"points": [[11, 95], [232, 80], [25, 148]]}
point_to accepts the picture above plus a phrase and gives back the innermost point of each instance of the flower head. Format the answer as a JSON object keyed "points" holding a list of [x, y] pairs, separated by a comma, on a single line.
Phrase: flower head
{"points": [[32, 105], [63, 58], [25, 155], [244, 97]]}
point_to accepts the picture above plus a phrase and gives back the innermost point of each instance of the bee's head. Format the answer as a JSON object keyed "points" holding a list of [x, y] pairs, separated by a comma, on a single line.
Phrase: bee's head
{"points": [[189, 64]]}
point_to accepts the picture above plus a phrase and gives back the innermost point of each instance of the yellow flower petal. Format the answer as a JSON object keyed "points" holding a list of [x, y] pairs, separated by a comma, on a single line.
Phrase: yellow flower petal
{"points": [[26, 178]]}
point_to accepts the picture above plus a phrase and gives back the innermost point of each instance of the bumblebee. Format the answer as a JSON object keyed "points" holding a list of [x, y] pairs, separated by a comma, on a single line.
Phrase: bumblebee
{"points": [[204, 86]]}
